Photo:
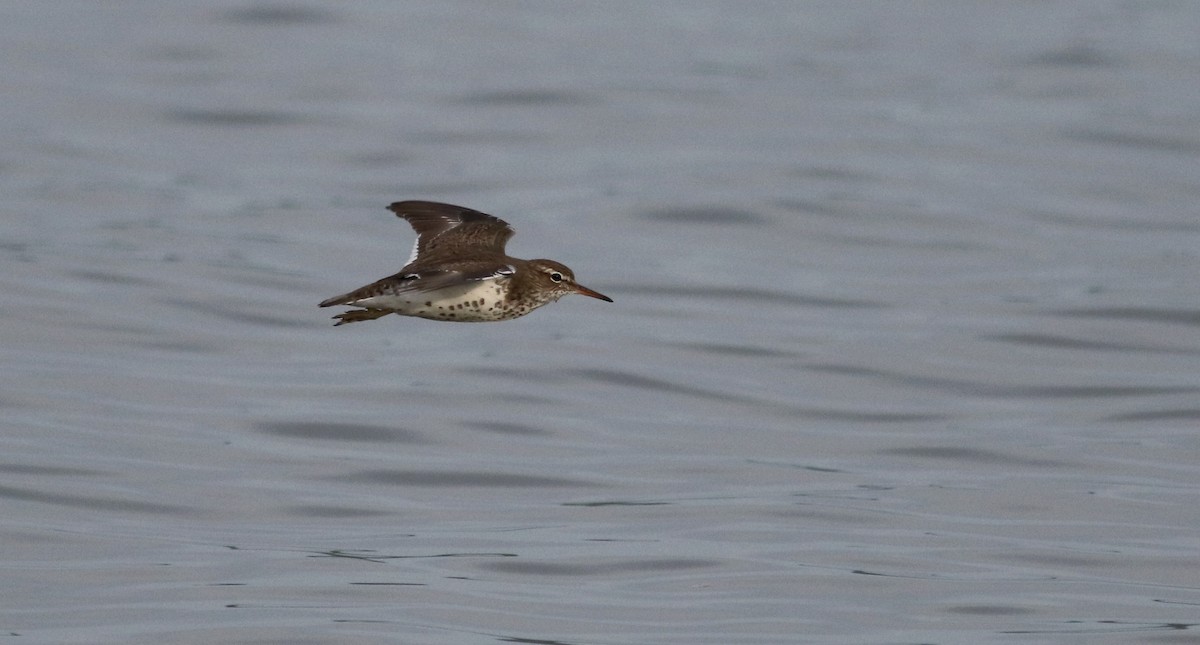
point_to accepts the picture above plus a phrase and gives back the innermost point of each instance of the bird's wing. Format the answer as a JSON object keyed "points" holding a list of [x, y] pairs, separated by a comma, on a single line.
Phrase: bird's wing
{"points": [[445, 230], [423, 282]]}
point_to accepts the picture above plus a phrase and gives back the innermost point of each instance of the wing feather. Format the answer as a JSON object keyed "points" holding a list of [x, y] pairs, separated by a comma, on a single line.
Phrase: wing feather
{"points": [[422, 282], [445, 229]]}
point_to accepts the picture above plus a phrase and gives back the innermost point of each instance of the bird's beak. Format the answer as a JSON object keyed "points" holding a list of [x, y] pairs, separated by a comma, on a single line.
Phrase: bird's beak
{"points": [[584, 291]]}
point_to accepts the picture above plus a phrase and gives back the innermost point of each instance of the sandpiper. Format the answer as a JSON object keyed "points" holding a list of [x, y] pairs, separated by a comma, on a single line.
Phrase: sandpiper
{"points": [[459, 272]]}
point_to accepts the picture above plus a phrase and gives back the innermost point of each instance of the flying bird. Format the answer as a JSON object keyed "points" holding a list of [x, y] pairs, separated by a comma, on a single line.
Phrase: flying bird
{"points": [[459, 272]]}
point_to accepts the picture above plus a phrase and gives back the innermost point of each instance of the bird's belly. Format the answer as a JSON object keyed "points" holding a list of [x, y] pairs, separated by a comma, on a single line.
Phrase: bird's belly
{"points": [[476, 302]]}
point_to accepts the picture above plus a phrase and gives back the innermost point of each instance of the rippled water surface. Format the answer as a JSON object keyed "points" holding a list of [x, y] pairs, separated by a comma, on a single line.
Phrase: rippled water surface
{"points": [[905, 347]]}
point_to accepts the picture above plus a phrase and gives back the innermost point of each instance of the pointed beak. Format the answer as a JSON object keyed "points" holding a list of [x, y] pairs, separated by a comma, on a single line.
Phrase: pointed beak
{"points": [[584, 291]]}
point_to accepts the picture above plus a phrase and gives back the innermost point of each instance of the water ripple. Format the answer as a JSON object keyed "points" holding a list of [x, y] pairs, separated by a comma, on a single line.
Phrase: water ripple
{"points": [[441, 478], [1065, 342], [959, 453], [1146, 314], [91, 502], [629, 379], [1131, 140], [519, 429], [1182, 414], [278, 14], [765, 296], [228, 117], [704, 215], [527, 97], [339, 431], [575, 569], [975, 388]]}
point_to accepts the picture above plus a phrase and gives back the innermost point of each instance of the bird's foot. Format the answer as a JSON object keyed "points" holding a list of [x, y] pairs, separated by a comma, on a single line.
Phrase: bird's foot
{"points": [[359, 315]]}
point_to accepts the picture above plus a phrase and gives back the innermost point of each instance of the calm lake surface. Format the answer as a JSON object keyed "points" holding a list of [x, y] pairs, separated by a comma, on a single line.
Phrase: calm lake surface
{"points": [[905, 347]]}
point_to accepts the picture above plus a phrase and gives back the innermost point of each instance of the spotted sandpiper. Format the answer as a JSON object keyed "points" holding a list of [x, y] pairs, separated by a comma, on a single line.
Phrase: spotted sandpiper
{"points": [[459, 272]]}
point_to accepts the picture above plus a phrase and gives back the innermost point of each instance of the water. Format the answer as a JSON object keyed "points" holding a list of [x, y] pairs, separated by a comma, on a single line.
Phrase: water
{"points": [[904, 347]]}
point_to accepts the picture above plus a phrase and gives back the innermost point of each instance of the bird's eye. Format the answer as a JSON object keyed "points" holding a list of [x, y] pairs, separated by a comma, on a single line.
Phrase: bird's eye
{"points": [[556, 276]]}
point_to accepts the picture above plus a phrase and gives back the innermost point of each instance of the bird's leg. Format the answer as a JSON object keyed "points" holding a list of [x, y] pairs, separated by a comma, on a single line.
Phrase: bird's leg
{"points": [[359, 315]]}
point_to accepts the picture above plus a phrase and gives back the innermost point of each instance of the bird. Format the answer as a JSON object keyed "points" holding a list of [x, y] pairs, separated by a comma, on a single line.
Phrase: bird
{"points": [[459, 272]]}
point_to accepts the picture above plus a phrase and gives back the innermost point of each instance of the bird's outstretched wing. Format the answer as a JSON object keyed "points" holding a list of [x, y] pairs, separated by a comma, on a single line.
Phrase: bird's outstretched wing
{"points": [[446, 231]]}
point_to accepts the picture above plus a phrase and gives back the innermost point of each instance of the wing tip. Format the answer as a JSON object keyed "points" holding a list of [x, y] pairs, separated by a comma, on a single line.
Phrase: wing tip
{"points": [[420, 204]]}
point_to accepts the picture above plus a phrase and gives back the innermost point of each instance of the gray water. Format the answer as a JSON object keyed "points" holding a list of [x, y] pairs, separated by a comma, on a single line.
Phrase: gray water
{"points": [[905, 347]]}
